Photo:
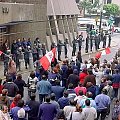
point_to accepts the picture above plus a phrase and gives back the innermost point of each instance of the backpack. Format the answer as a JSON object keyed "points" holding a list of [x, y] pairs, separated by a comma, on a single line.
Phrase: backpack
{"points": [[21, 113]]}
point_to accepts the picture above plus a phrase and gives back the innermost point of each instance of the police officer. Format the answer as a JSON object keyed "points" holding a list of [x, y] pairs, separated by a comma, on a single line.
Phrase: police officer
{"points": [[74, 47], [109, 40], [59, 47], [66, 43], [79, 40], [91, 42], [104, 41], [87, 43], [96, 42], [99, 40]]}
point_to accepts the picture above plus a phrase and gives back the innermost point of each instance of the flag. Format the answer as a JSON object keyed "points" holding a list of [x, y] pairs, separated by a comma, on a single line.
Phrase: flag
{"points": [[46, 60], [1, 53], [106, 51]]}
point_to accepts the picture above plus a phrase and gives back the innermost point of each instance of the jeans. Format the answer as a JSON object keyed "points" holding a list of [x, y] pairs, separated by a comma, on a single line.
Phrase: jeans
{"points": [[42, 97], [103, 113], [115, 92]]}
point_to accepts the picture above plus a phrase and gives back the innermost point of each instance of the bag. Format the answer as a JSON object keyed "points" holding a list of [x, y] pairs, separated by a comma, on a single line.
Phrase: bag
{"points": [[21, 113]]}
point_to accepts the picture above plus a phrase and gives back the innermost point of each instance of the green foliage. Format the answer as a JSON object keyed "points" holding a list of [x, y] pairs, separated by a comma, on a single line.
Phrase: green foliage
{"points": [[111, 9]]}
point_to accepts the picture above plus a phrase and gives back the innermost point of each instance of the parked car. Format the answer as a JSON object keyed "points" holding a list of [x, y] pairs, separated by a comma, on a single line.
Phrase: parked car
{"points": [[117, 29]]}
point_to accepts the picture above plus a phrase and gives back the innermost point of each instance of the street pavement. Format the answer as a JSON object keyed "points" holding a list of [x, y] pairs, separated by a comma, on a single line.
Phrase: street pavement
{"points": [[115, 45]]}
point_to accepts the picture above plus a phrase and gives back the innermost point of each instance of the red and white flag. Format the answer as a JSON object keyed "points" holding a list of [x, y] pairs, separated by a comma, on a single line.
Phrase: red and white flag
{"points": [[104, 52], [46, 60], [1, 53]]}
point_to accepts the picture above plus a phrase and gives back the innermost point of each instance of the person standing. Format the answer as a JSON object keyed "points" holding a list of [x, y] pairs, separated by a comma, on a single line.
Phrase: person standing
{"points": [[104, 41], [74, 47], [102, 104], [47, 110], [34, 108], [66, 43], [109, 40], [96, 42], [87, 43], [59, 47], [91, 43], [79, 40], [89, 112], [44, 88], [21, 84]]}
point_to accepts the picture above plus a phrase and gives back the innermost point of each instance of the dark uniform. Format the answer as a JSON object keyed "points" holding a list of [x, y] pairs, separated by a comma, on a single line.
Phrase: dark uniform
{"points": [[87, 44], [96, 42], [109, 40], [99, 40], [104, 41], [74, 47], [59, 47], [65, 43], [80, 42], [91, 42], [26, 57]]}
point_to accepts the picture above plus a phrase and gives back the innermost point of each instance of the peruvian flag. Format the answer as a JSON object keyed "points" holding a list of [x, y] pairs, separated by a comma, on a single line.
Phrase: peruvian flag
{"points": [[46, 60], [1, 53], [104, 52]]}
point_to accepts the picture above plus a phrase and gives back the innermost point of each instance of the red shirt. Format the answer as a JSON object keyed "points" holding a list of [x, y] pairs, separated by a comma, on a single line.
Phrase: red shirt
{"points": [[82, 76], [77, 89], [1, 87]]}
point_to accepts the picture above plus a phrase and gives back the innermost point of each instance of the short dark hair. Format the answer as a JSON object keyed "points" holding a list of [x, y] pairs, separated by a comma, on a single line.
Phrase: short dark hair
{"points": [[65, 93], [80, 92], [70, 86], [32, 97], [47, 99], [20, 103], [52, 96], [87, 102]]}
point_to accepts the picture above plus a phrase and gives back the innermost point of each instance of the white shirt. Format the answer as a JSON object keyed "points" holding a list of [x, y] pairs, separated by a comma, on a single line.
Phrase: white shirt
{"points": [[77, 116], [90, 113]]}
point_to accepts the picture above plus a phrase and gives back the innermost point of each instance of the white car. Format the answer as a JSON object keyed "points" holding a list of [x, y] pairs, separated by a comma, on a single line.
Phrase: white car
{"points": [[117, 29]]}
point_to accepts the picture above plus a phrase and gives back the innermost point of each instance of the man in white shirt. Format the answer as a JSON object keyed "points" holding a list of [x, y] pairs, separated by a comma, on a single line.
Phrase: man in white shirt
{"points": [[89, 112]]}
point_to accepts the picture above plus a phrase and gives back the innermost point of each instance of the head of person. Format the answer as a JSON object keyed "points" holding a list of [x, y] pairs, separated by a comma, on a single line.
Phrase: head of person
{"points": [[44, 77], [20, 103], [107, 71], [116, 71], [32, 74], [52, 96], [32, 97], [89, 94], [75, 71], [87, 102], [65, 94], [80, 84], [72, 102], [4, 92], [55, 70], [64, 62], [70, 86], [9, 78], [104, 91], [58, 66], [90, 71], [19, 77], [47, 99], [60, 115], [5, 109], [78, 108], [116, 101], [57, 82], [80, 93], [17, 98], [89, 84]]}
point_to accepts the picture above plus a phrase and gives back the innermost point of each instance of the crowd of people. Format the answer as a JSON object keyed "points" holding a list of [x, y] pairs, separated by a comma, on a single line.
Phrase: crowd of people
{"points": [[75, 90]]}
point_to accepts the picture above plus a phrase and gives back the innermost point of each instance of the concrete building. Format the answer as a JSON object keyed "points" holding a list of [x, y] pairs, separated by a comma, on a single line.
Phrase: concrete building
{"points": [[49, 20], [22, 19], [62, 20]]}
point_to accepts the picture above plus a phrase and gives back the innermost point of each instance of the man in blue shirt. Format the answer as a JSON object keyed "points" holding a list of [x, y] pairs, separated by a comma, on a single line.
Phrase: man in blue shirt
{"points": [[47, 110], [102, 104], [44, 88]]}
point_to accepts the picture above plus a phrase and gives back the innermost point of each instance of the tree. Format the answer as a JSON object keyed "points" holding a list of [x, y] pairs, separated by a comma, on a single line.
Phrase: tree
{"points": [[111, 9], [88, 5]]}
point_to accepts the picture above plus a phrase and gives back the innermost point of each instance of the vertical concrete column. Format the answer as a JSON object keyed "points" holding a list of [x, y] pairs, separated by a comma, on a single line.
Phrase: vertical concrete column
{"points": [[70, 25], [66, 27], [61, 26], [74, 20]]}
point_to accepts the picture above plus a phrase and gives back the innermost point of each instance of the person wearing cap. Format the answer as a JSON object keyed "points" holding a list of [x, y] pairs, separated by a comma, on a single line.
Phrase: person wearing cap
{"points": [[74, 78], [43, 88], [102, 104]]}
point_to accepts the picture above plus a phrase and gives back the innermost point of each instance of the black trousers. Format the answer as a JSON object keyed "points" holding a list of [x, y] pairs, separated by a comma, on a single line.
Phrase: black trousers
{"points": [[103, 114], [42, 97]]}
